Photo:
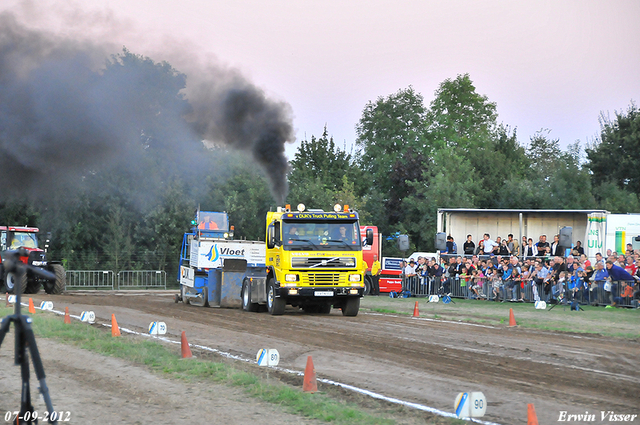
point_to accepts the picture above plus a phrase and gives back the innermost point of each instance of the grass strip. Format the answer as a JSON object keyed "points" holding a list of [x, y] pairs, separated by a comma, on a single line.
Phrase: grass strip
{"points": [[160, 358], [618, 322]]}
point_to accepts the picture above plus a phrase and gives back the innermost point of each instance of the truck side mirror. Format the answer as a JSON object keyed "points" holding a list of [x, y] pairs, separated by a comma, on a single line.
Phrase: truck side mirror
{"points": [[271, 237], [369, 237]]}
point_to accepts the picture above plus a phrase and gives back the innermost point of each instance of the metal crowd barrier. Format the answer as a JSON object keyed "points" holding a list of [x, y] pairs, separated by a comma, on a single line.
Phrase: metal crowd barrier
{"points": [[518, 290], [89, 279], [146, 279]]}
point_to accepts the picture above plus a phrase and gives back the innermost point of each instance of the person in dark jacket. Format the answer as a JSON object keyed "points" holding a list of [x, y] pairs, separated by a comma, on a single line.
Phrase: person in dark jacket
{"points": [[616, 274]]}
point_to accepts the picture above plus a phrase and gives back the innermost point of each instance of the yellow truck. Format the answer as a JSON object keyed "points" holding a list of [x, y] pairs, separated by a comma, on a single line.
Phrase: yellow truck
{"points": [[313, 261]]}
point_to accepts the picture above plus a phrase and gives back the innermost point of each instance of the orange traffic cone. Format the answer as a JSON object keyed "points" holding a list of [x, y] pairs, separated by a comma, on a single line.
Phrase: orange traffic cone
{"points": [[310, 385], [512, 320], [67, 318], [32, 308], [184, 345], [532, 419], [416, 312], [115, 330]]}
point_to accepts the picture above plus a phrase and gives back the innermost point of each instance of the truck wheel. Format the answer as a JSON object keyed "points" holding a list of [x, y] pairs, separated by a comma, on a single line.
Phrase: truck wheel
{"points": [[182, 292], [351, 306], [324, 308], [274, 305], [12, 282], [60, 283], [367, 285], [33, 286], [205, 296], [247, 305]]}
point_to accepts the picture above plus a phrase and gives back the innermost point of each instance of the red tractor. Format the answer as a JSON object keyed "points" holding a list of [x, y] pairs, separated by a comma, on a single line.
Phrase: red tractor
{"points": [[14, 237]]}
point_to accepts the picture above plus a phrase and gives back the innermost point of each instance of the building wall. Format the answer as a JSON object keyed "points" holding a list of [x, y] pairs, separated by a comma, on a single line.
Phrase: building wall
{"points": [[460, 224]]}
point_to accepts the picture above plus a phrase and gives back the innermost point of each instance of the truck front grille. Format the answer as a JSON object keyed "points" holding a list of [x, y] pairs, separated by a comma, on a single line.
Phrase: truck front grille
{"points": [[323, 278]]}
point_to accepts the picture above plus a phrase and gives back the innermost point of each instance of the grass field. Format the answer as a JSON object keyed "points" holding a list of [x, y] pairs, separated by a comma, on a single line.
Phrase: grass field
{"points": [[617, 322]]}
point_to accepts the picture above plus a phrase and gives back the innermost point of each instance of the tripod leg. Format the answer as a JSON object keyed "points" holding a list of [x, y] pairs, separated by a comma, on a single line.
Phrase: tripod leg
{"points": [[37, 366]]}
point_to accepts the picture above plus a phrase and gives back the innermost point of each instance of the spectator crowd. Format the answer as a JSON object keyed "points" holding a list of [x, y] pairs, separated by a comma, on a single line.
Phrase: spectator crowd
{"points": [[504, 270]]}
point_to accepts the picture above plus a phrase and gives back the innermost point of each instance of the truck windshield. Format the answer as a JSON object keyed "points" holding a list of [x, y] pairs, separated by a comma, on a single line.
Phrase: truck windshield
{"points": [[321, 235], [24, 239]]}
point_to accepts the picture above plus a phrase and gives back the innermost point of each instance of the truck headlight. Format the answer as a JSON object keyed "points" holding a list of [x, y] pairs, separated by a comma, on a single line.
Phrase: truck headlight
{"points": [[290, 278], [355, 278]]}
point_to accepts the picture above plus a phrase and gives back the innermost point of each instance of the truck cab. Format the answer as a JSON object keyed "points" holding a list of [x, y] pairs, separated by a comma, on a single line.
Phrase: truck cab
{"points": [[313, 261]]}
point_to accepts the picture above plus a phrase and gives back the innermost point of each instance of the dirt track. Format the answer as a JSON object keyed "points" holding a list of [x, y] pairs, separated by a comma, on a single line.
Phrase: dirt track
{"points": [[416, 360]]}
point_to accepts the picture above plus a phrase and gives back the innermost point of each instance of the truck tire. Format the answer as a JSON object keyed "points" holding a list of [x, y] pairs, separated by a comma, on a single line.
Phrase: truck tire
{"points": [[59, 285], [11, 282], [247, 305], [351, 306], [33, 286], [324, 308], [205, 296], [367, 285], [182, 292], [275, 305]]}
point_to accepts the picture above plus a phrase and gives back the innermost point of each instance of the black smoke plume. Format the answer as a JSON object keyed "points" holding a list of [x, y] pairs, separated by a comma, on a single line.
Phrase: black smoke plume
{"points": [[69, 108]]}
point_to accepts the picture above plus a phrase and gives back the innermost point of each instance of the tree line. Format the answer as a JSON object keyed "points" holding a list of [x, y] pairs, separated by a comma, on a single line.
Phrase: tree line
{"points": [[408, 160]]}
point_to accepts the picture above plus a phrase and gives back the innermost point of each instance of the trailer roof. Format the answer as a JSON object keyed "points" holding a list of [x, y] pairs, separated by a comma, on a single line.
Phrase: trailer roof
{"points": [[495, 210]]}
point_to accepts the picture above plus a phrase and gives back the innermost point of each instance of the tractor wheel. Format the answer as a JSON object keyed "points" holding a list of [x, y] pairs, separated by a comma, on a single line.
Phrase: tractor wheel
{"points": [[12, 282], [33, 286], [60, 283], [247, 305], [351, 306], [274, 305]]}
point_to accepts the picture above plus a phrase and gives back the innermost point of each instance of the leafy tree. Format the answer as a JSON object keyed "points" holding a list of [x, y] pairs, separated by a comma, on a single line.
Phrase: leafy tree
{"points": [[459, 116], [614, 157], [388, 129]]}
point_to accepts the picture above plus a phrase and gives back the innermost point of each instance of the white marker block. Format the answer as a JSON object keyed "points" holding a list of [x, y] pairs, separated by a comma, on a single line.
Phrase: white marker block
{"points": [[268, 357], [540, 305], [477, 404], [88, 316], [46, 305], [434, 298], [12, 299], [157, 328]]}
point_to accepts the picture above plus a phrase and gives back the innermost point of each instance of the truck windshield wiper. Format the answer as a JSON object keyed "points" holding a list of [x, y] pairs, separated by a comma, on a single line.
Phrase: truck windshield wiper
{"points": [[304, 240], [339, 241]]}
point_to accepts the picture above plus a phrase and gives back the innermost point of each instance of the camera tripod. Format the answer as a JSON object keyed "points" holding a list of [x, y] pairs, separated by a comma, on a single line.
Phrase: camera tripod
{"points": [[25, 338]]}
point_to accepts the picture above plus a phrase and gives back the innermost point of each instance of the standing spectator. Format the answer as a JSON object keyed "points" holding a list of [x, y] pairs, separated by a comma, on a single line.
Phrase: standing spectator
{"points": [[435, 276], [489, 245], [469, 247], [452, 248], [513, 245], [480, 248], [530, 249], [504, 248], [616, 274], [629, 250], [556, 249], [630, 267], [599, 277], [599, 258], [578, 250], [584, 261], [542, 246], [375, 276], [571, 264], [620, 261]]}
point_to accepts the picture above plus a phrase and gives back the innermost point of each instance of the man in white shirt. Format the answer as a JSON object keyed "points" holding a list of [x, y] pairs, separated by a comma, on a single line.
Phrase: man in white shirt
{"points": [[489, 244]]}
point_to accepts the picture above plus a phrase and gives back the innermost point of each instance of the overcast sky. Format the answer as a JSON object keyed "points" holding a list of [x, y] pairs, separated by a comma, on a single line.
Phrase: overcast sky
{"points": [[547, 64]]}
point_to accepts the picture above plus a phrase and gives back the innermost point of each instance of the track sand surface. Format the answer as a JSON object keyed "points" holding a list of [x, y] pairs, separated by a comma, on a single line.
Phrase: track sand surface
{"points": [[414, 359]]}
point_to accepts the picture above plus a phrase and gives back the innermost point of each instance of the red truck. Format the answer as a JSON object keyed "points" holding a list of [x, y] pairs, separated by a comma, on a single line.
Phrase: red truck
{"points": [[391, 267]]}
